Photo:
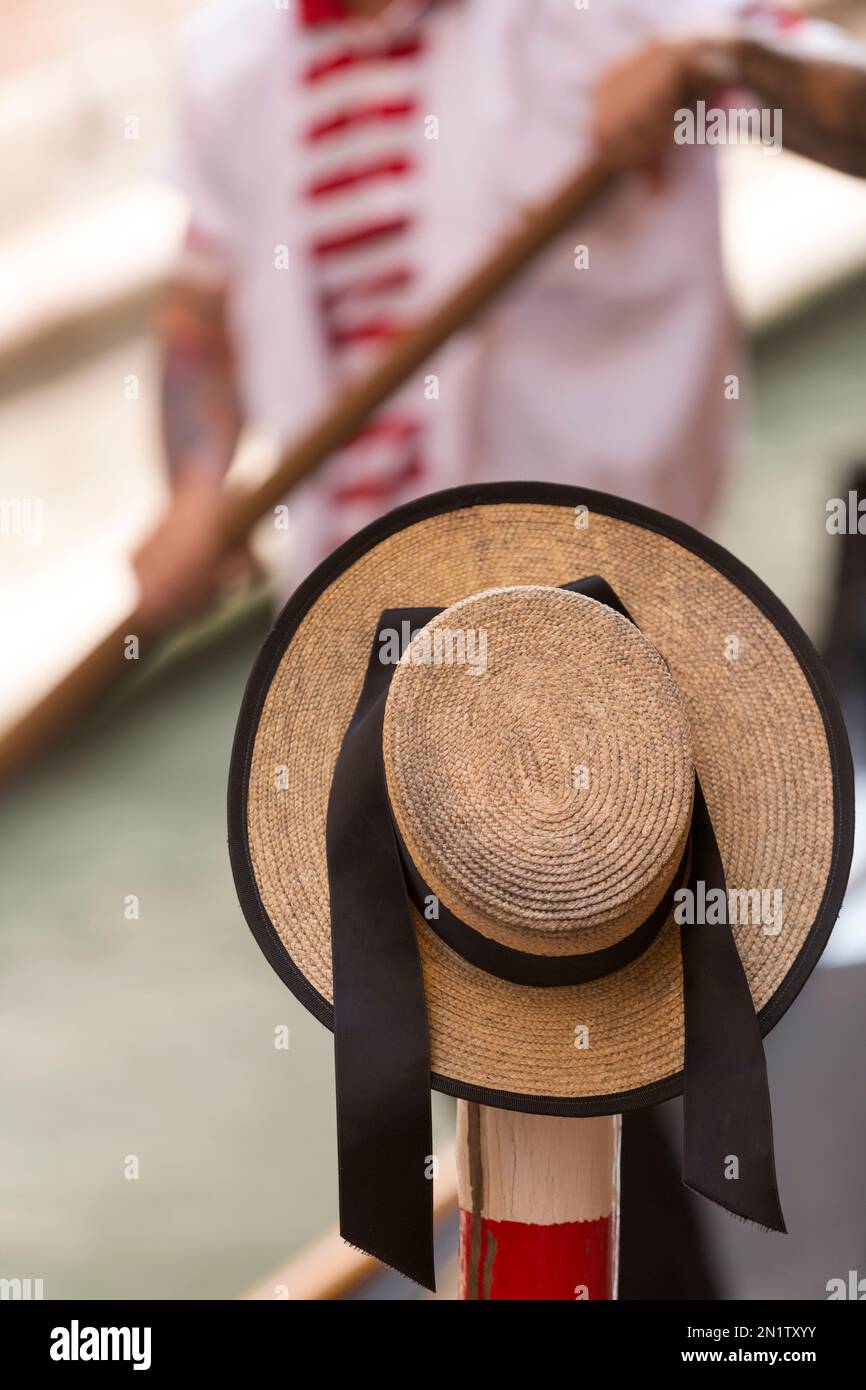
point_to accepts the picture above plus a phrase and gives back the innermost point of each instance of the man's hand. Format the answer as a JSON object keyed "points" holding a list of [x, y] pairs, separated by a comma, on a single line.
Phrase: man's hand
{"points": [[178, 564], [822, 99], [635, 102]]}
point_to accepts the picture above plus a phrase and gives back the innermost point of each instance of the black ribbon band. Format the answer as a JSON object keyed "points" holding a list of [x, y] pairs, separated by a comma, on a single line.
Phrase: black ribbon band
{"points": [[380, 1019], [524, 967]]}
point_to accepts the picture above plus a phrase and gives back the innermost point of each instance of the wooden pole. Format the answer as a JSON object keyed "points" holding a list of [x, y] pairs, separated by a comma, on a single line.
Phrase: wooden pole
{"points": [[539, 1205], [106, 663]]}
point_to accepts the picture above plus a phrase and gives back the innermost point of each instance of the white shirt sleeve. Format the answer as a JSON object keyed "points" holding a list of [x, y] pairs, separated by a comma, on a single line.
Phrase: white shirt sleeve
{"points": [[197, 165], [789, 29]]}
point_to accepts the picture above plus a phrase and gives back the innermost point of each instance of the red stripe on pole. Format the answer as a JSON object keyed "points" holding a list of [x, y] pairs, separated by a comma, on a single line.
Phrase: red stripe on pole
{"points": [[518, 1261]]}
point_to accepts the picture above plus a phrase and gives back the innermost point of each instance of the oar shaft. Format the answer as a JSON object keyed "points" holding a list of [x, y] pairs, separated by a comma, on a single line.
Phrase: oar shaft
{"points": [[98, 672], [470, 299], [107, 661]]}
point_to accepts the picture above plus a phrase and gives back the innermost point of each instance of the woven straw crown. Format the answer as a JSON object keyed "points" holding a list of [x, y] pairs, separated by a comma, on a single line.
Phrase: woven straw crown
{"points": [[539, 768]]}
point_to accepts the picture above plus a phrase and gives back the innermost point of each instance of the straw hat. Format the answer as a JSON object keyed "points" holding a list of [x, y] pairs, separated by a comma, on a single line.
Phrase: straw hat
{"points": [[540, 750]]}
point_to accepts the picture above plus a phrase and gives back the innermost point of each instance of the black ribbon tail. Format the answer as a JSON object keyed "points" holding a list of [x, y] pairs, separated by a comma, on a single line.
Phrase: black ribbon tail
{"points": [[727, 1119], [381, 1048]]}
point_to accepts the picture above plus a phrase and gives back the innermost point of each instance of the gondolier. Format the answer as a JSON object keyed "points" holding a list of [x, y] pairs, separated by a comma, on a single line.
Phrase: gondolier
{"points": [[347, 161]]}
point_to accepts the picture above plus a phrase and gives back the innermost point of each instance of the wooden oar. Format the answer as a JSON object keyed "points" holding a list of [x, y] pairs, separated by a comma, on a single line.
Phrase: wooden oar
{"points": [[105, 664]]}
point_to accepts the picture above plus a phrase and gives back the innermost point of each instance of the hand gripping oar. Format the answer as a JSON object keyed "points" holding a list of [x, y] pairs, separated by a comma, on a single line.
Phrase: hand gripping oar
{"points": [[106, 663]]}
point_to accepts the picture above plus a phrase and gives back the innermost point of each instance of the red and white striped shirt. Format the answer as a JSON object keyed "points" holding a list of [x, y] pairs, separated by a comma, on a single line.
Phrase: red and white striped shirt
{"points": [[359, 150], [303, 131]]}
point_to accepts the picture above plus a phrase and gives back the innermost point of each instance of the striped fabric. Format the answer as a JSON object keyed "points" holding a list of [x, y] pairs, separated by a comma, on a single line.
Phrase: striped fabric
{"points": [[360, 146]]}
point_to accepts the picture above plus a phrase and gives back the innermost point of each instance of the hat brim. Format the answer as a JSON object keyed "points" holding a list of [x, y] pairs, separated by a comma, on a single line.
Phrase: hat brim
{"points": [[770, 747]]}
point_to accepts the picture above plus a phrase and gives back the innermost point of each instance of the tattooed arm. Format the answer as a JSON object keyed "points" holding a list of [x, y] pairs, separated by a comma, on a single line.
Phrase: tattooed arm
{"points": [[201, 418], [177, 565], [823, 101]]}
